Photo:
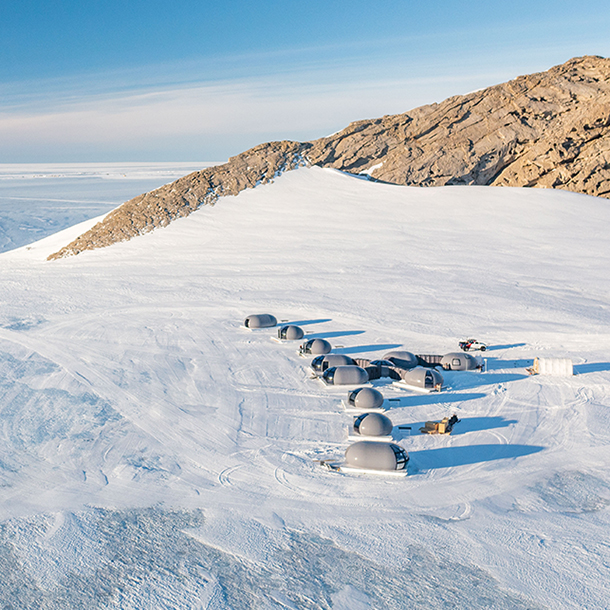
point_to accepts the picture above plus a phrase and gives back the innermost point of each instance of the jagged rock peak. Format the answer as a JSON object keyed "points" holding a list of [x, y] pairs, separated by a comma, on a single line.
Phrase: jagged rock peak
{"points": [[549, 129]]}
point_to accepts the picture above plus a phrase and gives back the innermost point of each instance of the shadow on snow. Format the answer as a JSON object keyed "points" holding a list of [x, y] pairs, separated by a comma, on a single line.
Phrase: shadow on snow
{"points": [[495, 363], [459, 380], [474, 424], [330, 335], [505, 346], [416, 400], [466, 424], [305, 322], [366, 348], [446, 457], [591, 367]]}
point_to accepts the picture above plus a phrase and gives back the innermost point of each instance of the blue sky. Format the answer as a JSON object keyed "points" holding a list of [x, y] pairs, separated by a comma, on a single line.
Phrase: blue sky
{"points": [[187, 81]]}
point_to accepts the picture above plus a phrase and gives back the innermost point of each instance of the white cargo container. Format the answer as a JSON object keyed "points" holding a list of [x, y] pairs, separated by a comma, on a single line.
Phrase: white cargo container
{"points": [[560, 367]]}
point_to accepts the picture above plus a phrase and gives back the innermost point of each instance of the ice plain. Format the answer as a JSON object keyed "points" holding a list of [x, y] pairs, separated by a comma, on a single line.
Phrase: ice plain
{"points": [[154, 454], [37, 200]]}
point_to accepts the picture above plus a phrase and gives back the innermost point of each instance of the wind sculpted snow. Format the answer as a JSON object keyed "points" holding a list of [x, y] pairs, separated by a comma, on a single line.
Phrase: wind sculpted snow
{"points": [[148, 558], [155, 454]]}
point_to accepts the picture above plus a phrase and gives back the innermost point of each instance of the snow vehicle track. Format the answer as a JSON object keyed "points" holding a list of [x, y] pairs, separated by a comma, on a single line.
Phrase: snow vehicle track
{"points": [[133, 408]]}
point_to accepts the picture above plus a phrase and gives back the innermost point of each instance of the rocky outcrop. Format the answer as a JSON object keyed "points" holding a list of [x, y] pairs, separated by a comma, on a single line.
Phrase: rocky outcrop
{"points": [[550, 129], [158, 208]]}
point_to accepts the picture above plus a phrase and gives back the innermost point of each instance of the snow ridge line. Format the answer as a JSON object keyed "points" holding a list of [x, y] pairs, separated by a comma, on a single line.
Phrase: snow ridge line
{"points": [[547, 130], [142, 214]]}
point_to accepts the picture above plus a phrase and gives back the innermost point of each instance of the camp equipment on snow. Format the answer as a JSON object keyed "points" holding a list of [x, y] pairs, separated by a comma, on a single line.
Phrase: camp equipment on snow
{"points": [[559, 367], [440, 427]]}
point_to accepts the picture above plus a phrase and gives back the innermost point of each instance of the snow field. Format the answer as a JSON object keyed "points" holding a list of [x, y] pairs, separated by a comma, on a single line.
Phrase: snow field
{"points": [[37, 200], [133, 407]]}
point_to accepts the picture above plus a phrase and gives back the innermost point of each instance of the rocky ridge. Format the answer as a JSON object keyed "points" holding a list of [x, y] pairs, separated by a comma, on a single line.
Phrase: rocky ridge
{"points": [[550, 129]]}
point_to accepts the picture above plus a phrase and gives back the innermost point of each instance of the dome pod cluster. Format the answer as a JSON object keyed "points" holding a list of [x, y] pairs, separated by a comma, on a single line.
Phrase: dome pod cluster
{"points": [[377, 454]]}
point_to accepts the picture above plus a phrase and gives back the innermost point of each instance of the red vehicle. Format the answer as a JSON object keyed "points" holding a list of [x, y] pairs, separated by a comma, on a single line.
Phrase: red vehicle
{"points": [[472, 344]]}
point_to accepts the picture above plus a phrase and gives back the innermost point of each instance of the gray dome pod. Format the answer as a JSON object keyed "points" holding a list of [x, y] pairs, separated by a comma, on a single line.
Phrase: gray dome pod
{"points": [[345, 375], [316, 346], [405, 360], [459, 361], [365, 398], [373, 424], [424, 378], [290, 333], [262, 320], [371, 455], [324, 362]]}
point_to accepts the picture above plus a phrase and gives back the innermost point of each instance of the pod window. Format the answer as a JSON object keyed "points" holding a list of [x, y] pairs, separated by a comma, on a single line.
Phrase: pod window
{"points": [[352, 396], [329, 375], [429, 382], [401, 457], [358, 421]]}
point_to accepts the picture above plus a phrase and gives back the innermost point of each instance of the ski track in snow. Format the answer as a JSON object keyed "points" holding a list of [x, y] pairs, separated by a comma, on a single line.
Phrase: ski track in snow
{"points": [[155, 454]]}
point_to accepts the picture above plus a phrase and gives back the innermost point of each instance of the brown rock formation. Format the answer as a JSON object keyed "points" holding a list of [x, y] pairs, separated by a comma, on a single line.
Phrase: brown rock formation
{"points": [[158, 208], [550, 129]]}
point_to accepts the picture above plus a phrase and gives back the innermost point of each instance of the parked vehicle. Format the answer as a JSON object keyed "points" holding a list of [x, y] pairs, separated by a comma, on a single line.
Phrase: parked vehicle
{"points": [[472, 344]]}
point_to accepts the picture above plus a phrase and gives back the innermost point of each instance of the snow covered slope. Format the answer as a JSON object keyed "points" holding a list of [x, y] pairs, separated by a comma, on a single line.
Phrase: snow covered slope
{"points": [[154, 454]]}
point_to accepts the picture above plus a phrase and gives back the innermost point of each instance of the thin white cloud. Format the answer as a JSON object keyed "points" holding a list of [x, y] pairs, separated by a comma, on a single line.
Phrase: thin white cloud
{"points": [[273, 107], [176, 111]]}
